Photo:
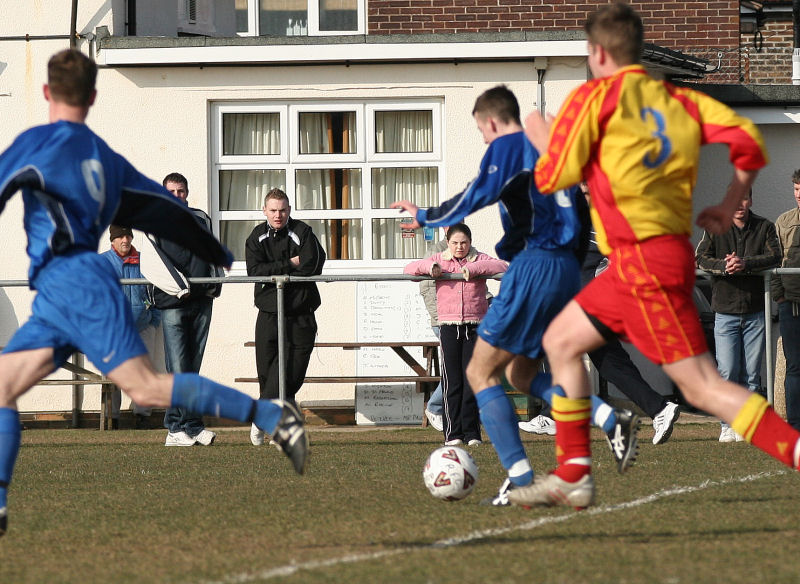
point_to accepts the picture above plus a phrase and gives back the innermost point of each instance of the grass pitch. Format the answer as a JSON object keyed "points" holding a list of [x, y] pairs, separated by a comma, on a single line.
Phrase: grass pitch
{"points": [[90, 506]]}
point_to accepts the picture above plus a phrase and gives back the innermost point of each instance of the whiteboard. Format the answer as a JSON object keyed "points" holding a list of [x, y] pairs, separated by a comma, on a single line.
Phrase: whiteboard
{"points": [[390, 403], [389, 311]]}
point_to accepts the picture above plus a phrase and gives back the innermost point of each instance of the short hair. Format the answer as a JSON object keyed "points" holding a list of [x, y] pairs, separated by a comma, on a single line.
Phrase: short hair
{"points": [[498, 102], [175, 177], [619, 30], [796, 177], [459, 228], [275, 194], [71, 78]]}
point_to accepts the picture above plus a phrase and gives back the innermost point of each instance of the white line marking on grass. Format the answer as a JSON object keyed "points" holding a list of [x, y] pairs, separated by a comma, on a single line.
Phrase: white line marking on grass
{"points": [[291, 569]]}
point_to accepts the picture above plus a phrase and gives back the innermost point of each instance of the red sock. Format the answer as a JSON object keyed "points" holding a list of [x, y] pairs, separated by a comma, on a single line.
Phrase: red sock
{"points": [[765, 429], [573, 450]]}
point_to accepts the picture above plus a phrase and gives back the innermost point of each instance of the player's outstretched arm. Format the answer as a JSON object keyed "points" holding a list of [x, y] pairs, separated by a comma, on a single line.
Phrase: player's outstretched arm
{"points": [[411, 208], [717, 219]]}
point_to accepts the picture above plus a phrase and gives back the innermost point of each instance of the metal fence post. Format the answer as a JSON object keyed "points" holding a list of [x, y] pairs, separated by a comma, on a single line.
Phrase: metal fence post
{"points": [[279, 288], [768, 341]]}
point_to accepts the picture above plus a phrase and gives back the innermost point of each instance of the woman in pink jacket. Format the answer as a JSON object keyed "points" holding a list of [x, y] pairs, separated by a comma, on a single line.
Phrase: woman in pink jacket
{"points": [[461, 304]]}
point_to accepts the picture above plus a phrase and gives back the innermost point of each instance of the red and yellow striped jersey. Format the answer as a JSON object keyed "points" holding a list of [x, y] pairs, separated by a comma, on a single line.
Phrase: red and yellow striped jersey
{"points": [[636, 141]]}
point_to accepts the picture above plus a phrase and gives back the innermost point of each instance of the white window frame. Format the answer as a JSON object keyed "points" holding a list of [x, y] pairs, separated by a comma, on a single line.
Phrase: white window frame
{"points": [[313, 20], [365, 159]]}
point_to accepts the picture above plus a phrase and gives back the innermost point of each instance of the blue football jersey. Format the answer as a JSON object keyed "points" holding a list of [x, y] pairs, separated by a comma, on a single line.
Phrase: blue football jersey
{"points": [[74, 185], [530, 220]]}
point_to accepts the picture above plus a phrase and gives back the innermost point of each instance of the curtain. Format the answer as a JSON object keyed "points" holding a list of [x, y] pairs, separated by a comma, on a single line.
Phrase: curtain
{"points": [[251, 133], [404, 131], [418, 185], [244, 190], [330, 133], [233, 234]]}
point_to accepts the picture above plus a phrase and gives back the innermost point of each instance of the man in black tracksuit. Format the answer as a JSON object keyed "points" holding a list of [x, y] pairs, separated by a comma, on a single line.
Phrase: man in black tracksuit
{"points": [[283, 246]]}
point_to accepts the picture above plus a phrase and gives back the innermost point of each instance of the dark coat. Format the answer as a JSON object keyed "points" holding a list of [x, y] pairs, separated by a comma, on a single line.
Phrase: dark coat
{"points": [[757, 244], [268, 252]]}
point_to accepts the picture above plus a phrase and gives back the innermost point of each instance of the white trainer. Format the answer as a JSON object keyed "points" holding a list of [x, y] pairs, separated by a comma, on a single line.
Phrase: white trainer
{"points": [[205, 437], [539, 425], [664, 422], [435, 420], [551, 490], [501, 498], [256, 435], [454, 442], [727, 434], [474, 442], [179, 439]]}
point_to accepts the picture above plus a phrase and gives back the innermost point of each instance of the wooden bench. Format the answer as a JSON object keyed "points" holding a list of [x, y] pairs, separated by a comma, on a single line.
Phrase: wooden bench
{"points": [[85, 377], [425, 376]]}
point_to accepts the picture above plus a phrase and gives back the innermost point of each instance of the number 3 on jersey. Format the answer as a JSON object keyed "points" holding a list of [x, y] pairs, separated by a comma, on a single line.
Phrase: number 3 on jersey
{"points": [[650, 159]]}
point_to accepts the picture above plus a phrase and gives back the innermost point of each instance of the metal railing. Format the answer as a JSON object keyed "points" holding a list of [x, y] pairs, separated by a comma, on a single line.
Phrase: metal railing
{"points": [[282, 281]]}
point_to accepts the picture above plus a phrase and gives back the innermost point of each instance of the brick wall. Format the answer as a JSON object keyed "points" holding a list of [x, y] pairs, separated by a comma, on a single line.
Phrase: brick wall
{"points": [[703, 29], [772, 64]]}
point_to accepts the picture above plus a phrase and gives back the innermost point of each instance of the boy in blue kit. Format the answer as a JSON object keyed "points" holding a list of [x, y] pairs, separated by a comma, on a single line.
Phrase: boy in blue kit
{"points": [[541, 240], [73, 186]]}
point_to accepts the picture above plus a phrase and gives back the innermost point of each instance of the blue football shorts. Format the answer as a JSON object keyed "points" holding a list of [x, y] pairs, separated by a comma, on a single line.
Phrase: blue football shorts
{"points": [[80, 305], [537, 285]]}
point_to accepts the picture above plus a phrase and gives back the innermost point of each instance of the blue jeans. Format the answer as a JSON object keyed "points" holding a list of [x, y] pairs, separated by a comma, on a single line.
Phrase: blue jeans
{"points": [[436, 401], [739, 341], [789, 315], [185, 334]]}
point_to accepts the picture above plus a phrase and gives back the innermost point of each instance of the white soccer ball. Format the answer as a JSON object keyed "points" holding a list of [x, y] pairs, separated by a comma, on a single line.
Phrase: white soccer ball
{"points": [[450, 473]]}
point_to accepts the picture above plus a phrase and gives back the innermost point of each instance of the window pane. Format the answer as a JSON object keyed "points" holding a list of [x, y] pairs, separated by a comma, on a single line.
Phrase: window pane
{"points": [[233, 234], [244, 190], [341, 238], [327, 132], [404, 131], [251, 134], [338, 14], [420, 185], [390, 241], [283, 17], [241, 15], [328, 188]]}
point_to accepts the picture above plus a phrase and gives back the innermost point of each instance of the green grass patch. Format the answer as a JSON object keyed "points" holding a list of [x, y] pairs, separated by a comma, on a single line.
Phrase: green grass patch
{"points": [[90, 506]]}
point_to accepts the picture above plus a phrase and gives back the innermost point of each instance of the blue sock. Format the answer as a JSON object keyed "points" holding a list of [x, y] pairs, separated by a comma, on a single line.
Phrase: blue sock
{"points": [[603, 415], [267, 415], [541, 385], [500, 422], [205, 397], [9, 448]]}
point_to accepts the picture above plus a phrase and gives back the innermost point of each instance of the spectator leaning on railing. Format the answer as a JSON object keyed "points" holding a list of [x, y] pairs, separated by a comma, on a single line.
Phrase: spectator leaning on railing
{"points": [[737, 299]]}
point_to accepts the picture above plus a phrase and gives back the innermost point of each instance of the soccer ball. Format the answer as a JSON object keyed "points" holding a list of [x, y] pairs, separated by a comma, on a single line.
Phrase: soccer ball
{"points": [[450, 473]]}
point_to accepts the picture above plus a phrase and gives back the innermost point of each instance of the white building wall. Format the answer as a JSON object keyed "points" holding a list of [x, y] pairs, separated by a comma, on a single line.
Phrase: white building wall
{"points": [[159, 119]]}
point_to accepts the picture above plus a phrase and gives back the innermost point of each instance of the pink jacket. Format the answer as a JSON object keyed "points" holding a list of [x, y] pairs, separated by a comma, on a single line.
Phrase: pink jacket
{"points": [[460, 301]]}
